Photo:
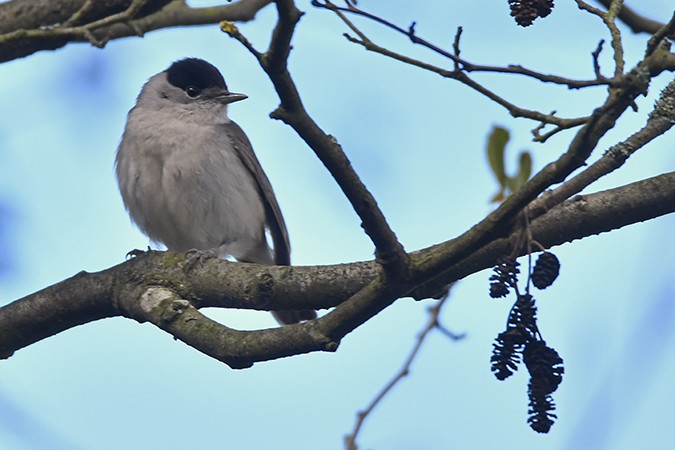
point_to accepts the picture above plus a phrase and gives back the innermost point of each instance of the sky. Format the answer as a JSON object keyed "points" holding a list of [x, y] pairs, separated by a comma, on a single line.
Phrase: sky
{"points": [[417, 141]]}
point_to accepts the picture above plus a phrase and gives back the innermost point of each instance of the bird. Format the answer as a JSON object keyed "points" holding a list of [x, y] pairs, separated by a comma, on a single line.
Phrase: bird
{"points": [[189, 178]]}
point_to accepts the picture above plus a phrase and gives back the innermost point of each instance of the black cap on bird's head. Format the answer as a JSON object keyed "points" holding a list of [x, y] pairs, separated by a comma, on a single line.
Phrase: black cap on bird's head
{"points": [[194, 72], [196, 76]]}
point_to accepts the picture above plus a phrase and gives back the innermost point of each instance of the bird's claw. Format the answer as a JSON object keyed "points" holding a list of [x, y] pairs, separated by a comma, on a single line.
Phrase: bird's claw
{"points": [[195, 256], [136, 253]]}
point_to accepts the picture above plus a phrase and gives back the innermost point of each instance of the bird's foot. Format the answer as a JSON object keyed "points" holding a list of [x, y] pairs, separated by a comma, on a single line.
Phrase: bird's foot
{"points": [[195, 256]]}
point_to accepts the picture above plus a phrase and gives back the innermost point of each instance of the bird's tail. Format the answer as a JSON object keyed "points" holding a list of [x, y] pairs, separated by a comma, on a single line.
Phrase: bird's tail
{"points": [[289, 316]]}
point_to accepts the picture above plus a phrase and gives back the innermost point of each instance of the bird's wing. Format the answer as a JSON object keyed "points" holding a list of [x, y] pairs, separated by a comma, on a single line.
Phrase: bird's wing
{"points": [[275, 221]]}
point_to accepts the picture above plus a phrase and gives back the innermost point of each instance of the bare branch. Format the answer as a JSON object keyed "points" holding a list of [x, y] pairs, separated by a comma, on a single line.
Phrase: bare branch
{"points": [[655, 197], [655, 41], [238, 349], [636, 22], [609, 18], [455, 46], [231, 29], [514, 110], [455, 56], [596, 56], [82, 32], [389, 251], [462, 66], [659, 122], [633, 84], [87, 297], [579, 150], [433, 323]]}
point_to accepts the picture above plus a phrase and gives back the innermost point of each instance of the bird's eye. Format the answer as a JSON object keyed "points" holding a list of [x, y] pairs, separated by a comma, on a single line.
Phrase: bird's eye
{"points": [[192, 91]]}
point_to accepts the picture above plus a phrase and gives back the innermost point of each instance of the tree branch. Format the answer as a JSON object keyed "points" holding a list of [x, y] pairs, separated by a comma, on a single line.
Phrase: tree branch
{"points": [[388, 250], [158, 287], [433, 323], [462, 66], [636, 22], [28, 26], [583, 144], [660, 121], [238, 349], [609, 18], [454, 56], [80, 299]]}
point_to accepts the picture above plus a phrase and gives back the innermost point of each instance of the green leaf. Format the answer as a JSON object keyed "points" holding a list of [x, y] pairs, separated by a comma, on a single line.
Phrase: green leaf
{"points": [[524, 168], [496, 147]]}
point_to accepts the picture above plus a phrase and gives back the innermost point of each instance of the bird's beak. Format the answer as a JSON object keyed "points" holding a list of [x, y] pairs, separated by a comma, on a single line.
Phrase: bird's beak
{"points": [[231, 97]]}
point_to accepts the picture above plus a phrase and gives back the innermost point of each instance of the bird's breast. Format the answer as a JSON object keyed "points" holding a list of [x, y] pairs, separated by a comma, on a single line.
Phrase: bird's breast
{"points": [[187, 188]]}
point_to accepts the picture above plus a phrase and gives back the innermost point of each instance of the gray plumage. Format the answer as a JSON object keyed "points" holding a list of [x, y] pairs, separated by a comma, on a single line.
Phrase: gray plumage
{"points": [[188, 175]]}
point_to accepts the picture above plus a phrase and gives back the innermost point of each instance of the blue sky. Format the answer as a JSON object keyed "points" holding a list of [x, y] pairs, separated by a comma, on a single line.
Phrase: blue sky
{"points": [[417, 141]]}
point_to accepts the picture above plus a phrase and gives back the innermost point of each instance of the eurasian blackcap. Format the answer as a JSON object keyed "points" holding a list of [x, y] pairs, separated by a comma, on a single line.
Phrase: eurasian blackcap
{"points": [[188, 175]]}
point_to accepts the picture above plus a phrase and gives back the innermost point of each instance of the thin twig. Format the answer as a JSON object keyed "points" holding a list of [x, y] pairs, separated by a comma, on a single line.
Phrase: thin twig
{"points": [[636, 22], [454, 56], [617, 45], [461, 67], [514, 110], [433, 323], [455, 46], [84, 9], [596, 56], [591, 9], [609, 19], [231, 29]]}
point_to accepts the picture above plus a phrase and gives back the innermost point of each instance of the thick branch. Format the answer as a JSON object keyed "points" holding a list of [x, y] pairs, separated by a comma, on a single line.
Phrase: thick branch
{"points": [[72, 302], [581, 217], [27, 26], [32, 14], [157, 287], [238, 349]]}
